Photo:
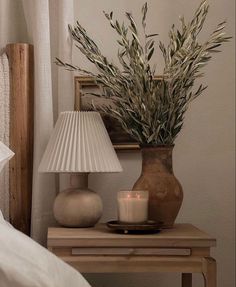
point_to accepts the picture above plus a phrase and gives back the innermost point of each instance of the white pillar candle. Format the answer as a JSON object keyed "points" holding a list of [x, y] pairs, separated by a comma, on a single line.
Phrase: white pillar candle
{"points": [[132, 206]]}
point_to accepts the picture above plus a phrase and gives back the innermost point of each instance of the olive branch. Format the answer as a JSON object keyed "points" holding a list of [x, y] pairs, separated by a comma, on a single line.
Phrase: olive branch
{"points": [[151, 110]]}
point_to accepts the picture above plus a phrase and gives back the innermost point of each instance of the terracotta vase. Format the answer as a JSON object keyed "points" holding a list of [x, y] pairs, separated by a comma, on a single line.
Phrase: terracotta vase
{"points": [[165, 191]]}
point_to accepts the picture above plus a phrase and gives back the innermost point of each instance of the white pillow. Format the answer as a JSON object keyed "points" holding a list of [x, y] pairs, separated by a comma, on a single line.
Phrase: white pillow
{"points": [[25, 263]]}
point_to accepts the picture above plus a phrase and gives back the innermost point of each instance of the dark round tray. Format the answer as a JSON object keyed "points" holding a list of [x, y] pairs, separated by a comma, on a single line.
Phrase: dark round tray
{"points": [[148, 227]]}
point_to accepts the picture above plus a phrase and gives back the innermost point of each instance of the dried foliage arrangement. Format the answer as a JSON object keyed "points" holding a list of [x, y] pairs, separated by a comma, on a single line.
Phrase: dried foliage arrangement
{"points": [[151, 110]]}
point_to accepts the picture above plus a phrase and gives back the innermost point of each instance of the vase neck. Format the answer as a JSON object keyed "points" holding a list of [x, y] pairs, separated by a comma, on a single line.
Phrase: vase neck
{"points": [[157, 159]]}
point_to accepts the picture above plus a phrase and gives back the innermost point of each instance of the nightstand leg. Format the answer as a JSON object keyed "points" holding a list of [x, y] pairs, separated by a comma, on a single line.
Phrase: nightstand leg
{"points": [[209, 272], [186, 279]]}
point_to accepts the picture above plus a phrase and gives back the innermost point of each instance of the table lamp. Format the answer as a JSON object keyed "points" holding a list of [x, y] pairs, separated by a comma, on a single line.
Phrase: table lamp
{"points": [[5, 155], [79, 144]]}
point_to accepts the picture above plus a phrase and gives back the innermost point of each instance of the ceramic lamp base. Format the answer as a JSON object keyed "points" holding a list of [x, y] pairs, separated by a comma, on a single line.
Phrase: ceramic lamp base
{"points": [[78, 207]]}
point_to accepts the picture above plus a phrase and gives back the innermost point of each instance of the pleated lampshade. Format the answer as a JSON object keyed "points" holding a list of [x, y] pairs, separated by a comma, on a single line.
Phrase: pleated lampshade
{"points": [[79, 143], [5, 155]]}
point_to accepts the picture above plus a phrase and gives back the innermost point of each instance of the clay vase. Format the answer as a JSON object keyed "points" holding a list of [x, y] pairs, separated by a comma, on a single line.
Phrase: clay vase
{"points": [[165, 191]]}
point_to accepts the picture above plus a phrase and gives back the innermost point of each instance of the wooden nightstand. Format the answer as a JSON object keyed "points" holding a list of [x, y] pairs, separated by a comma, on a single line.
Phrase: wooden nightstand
{"points": [[183, 249]]}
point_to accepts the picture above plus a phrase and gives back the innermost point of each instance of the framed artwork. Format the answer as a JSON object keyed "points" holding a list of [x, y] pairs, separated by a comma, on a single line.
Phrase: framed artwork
{"points": [[85, 100]]}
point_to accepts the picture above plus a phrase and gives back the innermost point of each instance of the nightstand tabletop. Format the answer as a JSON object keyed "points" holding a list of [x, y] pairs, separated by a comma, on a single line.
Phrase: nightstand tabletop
{"points": [[181, 235]]}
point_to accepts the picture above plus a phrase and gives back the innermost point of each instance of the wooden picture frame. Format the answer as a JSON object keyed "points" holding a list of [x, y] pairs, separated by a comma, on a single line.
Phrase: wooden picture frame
{"points": [[83, 101]]}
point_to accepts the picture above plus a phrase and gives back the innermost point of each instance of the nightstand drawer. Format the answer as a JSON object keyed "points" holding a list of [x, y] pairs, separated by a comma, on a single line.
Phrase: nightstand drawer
{"points": [[184, 248], [131, 251]]}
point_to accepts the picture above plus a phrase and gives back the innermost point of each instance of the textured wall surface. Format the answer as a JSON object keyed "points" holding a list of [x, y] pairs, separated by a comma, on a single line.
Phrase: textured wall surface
{"points": [[204, 151]]}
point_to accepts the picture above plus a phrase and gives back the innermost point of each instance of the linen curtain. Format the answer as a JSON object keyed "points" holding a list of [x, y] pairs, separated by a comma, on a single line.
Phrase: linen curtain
{"points": [[10, 31], [47, 22]]}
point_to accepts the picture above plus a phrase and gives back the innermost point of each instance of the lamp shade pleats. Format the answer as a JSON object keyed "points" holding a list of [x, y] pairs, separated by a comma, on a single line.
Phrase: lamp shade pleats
{"points": [[79, 143]]}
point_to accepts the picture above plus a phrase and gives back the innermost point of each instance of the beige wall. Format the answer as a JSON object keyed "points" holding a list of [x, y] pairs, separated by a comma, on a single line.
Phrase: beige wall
{"points": [[204, 152], [12, 23]]}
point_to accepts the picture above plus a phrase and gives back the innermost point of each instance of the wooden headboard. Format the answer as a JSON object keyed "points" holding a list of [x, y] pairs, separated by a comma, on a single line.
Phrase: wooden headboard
{"points": [[21, 57]]}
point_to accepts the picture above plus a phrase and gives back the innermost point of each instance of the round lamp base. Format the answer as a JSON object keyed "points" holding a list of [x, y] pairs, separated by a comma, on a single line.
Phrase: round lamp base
{"points": [[77, 208]]}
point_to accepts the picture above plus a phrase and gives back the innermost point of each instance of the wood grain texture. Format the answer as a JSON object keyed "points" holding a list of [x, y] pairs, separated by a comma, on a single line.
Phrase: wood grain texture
{"points": [[130, 251], [181, 235], [184, 249], [209, 272], [21, 134], [134, 264]]}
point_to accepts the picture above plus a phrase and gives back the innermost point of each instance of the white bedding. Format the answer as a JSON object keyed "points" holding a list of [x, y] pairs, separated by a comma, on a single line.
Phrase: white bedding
{"points": [[25, 263]]}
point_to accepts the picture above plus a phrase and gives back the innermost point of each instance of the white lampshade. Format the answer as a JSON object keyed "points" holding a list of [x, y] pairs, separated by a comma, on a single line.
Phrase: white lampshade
{"points": [[79, 143], [5, 155]]}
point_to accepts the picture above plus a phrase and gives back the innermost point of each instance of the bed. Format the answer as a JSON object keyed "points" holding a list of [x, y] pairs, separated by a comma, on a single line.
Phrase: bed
{"points": [[20, 58], [23, 262]]}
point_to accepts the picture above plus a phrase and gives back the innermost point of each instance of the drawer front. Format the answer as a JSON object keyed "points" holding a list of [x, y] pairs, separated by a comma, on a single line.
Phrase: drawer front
{"points": [[131, 251]]}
